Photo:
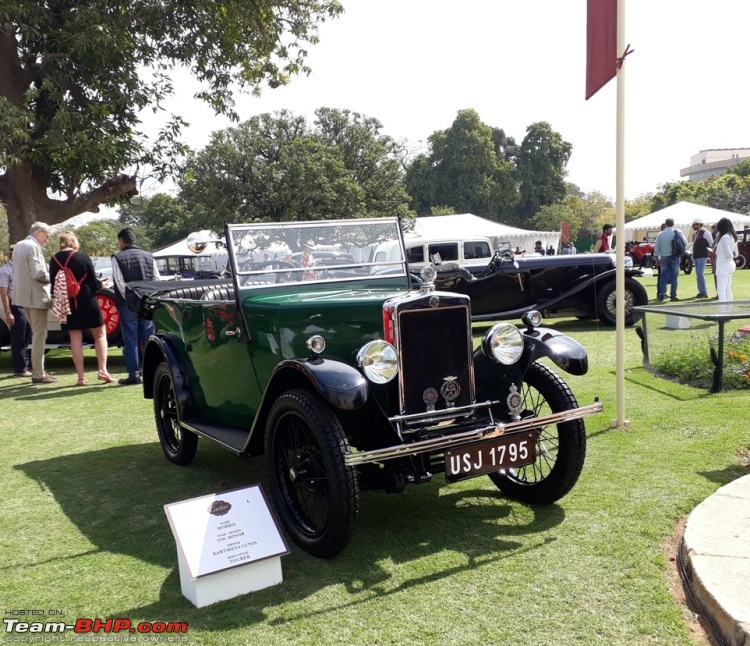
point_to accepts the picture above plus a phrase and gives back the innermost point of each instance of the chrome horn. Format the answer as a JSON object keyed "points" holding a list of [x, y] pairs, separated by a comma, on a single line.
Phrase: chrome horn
{"points": [[199, 240]]}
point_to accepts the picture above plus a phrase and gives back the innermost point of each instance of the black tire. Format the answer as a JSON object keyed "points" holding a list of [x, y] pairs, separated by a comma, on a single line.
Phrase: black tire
{"points": [[740, 261], [178, 444], [316, 495], [560, 449], [635, 295], [686, 264]]}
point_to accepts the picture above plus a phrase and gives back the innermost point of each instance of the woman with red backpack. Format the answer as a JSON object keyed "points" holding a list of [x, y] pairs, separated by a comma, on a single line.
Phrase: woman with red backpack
{"points": [[74, 296]]}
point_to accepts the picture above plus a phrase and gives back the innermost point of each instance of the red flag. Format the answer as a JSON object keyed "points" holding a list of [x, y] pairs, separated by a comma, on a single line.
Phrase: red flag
{"points": [[601, 44]]}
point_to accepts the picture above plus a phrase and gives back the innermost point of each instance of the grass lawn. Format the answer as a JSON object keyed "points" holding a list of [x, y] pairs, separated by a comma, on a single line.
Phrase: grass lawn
{"points": [[84, 481]]}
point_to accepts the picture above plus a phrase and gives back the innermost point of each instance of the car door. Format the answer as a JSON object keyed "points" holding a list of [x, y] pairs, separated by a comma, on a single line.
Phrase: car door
{"points": [[226, 386]]}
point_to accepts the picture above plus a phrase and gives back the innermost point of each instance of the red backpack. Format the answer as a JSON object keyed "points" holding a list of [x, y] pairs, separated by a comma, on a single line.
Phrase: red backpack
{"points": [[73, 286]]}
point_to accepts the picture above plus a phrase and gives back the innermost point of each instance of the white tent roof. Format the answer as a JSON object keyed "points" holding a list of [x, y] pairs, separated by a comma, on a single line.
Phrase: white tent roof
{"points": [[683, 214], [465, 225]]}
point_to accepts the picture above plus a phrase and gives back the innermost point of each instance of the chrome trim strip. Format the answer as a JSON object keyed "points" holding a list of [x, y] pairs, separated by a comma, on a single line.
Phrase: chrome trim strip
{"points": [[474, 435], [448, 413]]}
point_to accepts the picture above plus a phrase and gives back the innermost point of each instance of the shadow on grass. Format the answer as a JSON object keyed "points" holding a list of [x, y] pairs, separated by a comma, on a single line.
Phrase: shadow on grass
{"points": [[667, 387], [726, 475], [115, 497]]}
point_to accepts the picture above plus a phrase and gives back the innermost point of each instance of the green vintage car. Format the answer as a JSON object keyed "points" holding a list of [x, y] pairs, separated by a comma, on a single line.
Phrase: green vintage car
{"points": [[348, 379]]}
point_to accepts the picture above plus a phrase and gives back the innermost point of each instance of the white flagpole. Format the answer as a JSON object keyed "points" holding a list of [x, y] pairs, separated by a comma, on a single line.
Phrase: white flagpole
{"points": [[620, 226]]}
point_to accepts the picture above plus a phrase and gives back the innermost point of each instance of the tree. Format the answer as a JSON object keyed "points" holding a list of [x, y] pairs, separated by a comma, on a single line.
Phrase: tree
{"points": [[277, 167], [585, 213], [159, 220], [98, 238], [463, 171], [541, 164], [74, 77]]}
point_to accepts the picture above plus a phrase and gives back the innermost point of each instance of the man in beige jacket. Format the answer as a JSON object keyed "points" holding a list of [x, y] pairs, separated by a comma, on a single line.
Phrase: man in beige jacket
{"points": [[31, 290]]}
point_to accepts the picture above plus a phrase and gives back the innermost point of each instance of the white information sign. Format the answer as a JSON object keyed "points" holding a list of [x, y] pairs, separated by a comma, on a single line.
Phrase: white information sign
{"points": [[227, 544]]}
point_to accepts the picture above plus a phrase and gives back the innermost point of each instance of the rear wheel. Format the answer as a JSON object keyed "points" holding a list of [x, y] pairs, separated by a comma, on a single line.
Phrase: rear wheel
{"points": [[560, 448], [740, 261], [178, 444], [606, 301], [111, 316], [315, 493]]}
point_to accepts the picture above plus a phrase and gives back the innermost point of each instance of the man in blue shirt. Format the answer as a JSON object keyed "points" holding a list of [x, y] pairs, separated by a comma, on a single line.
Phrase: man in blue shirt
{"points": [[669, 263]]}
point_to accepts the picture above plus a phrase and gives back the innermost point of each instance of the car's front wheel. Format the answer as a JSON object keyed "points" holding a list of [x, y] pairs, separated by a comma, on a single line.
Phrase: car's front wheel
{"points": [[316, 494], [560, 448], [740, 261], [178, 444], [606, 301]]}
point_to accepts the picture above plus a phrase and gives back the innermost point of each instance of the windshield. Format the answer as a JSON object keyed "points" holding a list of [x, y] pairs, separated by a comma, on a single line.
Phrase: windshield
{"points": [[269, 253]]}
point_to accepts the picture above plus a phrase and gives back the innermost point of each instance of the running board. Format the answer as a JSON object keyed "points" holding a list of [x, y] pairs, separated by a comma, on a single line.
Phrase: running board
{"points": [[229, 437], [468, 437]]}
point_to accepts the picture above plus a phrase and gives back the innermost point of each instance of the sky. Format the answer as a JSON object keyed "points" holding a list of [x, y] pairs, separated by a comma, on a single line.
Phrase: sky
{"points": [[413, 64]]}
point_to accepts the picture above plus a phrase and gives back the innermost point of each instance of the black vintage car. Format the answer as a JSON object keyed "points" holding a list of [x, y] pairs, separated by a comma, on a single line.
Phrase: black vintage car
{"points": [[581, 285]]}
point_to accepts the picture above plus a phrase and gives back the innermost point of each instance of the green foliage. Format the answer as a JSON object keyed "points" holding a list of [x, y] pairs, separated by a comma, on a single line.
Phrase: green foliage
{"points": [[78, 74], [98, 238], [586, 213], [463, 171], [687, 363], [277, 167], [472, 167], [541, 168], [159, 220]]}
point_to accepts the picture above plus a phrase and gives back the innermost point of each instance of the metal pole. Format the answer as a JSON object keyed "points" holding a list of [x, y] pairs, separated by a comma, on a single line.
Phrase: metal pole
{"points": [[620, 224]]}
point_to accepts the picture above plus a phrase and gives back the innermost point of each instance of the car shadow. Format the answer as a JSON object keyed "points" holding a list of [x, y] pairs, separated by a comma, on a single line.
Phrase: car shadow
{"points": [[124, 514]]}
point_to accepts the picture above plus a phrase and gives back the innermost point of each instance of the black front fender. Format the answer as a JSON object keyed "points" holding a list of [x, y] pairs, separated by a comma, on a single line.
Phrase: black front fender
{"points": [[565, 352], [339, 384]]}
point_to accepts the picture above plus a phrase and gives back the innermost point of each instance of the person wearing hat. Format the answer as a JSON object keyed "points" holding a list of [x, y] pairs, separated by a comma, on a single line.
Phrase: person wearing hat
{"points": [[15, 318], [132, 264], [308, 260], [31, 290], [702, 243]]}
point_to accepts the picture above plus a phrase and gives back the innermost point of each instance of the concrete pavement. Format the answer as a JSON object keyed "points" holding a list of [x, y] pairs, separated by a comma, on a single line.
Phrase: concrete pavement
{"points": [[715, 556]]}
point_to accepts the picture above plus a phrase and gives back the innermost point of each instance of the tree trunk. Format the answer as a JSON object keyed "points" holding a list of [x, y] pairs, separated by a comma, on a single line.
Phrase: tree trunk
{"points": [[23, 192]]}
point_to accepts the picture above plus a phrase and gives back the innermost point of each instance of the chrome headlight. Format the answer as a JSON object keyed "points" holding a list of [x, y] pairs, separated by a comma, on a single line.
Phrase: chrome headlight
{"points": [[378, 360], [504, 343]]}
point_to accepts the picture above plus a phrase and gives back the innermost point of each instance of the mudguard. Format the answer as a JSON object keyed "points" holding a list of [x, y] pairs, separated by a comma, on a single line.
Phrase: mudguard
{"points": [[339, 384], [162, 348], [566, 353]]}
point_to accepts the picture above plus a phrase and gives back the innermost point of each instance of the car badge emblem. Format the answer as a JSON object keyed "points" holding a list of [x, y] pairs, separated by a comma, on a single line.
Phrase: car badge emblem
{"points": [[514, 402], [434, 301], [450, 390], [430, 397]]}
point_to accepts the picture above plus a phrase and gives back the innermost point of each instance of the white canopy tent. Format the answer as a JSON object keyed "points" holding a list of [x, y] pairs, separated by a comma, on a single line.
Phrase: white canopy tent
{"points": [[464, 225], [683, 214]]}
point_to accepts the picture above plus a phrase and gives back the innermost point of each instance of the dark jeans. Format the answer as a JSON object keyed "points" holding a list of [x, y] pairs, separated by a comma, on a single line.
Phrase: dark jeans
{"points": [[20, 337], [135, 333], [669, 269]]}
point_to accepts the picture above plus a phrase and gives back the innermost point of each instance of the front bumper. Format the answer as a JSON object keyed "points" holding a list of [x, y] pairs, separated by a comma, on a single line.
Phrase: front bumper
{"points": [[478, 434]]}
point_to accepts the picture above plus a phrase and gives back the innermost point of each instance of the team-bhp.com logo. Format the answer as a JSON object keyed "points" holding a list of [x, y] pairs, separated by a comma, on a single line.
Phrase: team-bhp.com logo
{"points": [[85, 625]]}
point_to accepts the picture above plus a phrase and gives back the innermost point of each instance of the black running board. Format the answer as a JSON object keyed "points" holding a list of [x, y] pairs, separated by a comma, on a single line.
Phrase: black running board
{"points": [[230, 437]]}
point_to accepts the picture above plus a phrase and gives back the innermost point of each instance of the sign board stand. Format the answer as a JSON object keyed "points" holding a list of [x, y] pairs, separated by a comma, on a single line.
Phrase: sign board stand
{"points": [[228, 544]]}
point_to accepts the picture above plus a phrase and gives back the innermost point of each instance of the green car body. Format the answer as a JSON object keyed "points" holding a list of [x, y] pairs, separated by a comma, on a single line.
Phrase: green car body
{"points": [[347, 379]]}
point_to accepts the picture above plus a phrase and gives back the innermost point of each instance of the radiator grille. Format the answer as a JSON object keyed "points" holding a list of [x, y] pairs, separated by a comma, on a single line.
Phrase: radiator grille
{"points": [[434, 344]]}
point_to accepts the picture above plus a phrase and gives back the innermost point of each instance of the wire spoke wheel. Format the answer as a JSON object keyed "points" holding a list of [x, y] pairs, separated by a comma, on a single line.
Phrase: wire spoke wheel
{"points": [[178, 444], [302, 474], [560, 448], [315, 493]]}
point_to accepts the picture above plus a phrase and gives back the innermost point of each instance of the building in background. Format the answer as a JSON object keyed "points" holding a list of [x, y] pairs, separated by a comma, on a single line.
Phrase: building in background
{"points": [[715, 161]]}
